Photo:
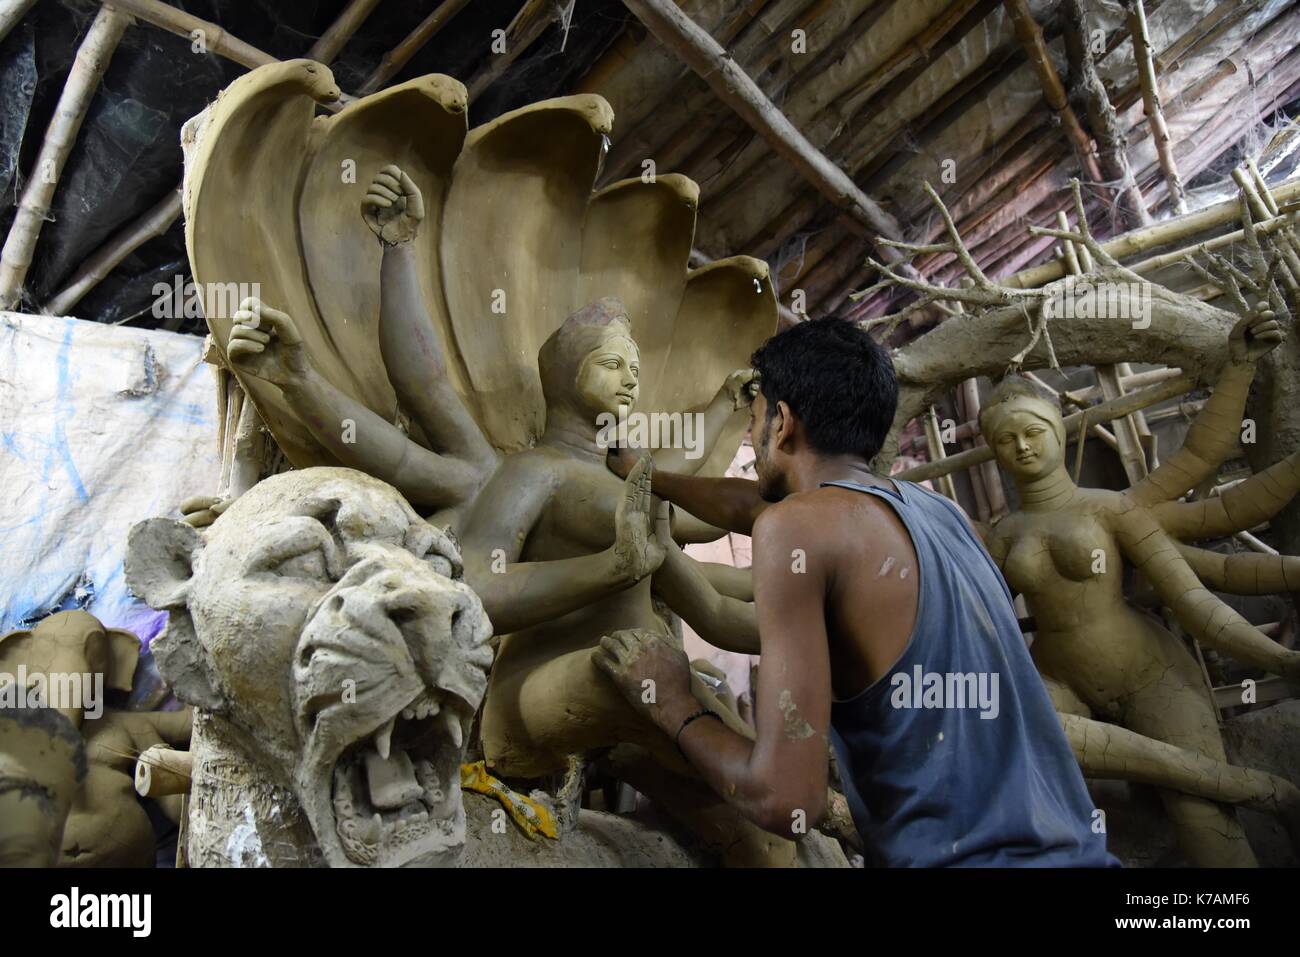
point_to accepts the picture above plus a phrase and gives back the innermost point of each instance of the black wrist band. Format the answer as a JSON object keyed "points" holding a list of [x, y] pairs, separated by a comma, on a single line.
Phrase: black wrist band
{"points": [[702, 713]]}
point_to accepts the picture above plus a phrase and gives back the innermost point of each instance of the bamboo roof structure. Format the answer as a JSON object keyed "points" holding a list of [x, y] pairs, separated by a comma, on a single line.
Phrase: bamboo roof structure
{"points": [[812, 126]]}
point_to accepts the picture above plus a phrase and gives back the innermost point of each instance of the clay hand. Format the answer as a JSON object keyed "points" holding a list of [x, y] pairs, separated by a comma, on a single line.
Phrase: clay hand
{"points": [[393, 207], [1255, 335], [265, 343], [202, 510], [715, 679], [637, 551], [738, 387], [645, 666]]}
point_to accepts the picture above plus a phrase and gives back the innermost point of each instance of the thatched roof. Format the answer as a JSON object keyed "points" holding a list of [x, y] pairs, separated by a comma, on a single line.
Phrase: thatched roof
{"points": [[895, 93]]}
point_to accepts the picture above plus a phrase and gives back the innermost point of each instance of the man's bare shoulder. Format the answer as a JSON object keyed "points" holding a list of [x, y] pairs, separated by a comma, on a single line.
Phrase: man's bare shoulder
{"points": [[828, 514]]}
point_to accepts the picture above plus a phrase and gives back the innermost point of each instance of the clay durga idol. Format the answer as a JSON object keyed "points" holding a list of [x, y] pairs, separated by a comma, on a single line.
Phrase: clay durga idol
{"points": [[507, 311], [1066, 549]]}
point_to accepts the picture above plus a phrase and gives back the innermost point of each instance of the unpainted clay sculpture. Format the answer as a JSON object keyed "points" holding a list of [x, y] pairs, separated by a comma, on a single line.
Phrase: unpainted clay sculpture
{"points": [[484, 247], [335, 658], [321, 628], [107, 826], [1066, 550], [42, 765], [490, 239]]}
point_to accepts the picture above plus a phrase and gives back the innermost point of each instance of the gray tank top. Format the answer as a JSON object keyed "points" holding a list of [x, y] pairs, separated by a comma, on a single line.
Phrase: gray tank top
{"points": [[955, 757]]}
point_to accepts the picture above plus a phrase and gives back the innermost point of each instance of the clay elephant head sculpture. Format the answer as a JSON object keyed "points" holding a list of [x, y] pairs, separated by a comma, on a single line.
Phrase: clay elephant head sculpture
{"points": [[322, 629], [72, 643]]}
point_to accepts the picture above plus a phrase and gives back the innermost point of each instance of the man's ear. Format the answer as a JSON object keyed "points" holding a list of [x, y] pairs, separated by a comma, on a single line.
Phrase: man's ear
{"points": [[160, 555], [784, 427], [123, 656]]}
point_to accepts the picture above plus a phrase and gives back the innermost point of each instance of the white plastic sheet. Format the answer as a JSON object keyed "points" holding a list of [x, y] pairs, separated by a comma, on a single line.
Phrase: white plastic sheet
{"points": [[100, 427]]}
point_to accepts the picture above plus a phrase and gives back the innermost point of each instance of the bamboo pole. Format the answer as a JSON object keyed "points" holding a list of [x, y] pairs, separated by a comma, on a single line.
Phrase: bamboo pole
{"points": [[1125, 404], [1137, 24], [522, 32], [33, 208], [396, 58], [161, 770], [1030, 35], [1113, 154], [1160, 234], [93, 271], [684, 101], [934, 441], [11, 13], [735, 88], [214, 38], [157, 220], [1261, 209], [1131, 454], [341, 30]]}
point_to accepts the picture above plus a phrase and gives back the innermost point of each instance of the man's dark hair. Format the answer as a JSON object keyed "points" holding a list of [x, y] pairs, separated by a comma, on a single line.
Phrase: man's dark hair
{"points": [[836, 378]]}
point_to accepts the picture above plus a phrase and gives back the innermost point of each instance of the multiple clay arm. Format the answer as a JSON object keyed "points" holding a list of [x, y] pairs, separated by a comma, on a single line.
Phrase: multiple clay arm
{"points": [[415, 359], [723, 621], [1243, 573], [1213, 435], [1243, 506], [519, 595], [1154, 554], [265, 343]]}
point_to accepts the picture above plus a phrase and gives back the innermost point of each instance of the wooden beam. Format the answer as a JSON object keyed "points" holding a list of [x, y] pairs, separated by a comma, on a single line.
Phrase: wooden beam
{"points": [[1160, 234], [1137, 24], [396, 58], [93, 56], [1030, 35], [1088, 86], [157, 220], [735, 88], [341, 30], [523, 31]]}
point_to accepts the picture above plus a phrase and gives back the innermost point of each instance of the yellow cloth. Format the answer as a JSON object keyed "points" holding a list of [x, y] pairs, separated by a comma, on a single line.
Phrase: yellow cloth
{"points": [[532, 818]]}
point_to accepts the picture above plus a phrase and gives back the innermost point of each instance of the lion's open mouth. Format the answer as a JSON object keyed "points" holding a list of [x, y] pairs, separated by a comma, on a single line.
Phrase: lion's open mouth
{"points": [[396, 793]]}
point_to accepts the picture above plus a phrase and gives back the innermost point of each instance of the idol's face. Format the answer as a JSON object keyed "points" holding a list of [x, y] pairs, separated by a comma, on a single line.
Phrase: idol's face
{"points": [[609, 377], [1026, 445]]}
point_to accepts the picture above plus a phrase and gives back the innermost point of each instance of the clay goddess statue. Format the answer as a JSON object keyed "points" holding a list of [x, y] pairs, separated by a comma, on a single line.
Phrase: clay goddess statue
{"points": [[1066, 549]]}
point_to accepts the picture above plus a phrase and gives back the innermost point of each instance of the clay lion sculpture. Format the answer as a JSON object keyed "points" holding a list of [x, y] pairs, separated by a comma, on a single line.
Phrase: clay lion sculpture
{"points": [[335, 658]]}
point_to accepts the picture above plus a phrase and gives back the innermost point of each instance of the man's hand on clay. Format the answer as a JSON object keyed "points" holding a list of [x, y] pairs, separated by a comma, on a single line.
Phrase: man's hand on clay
{"points": [[652, 673], [393, 207], [739, 388], [637, 551], [1255, 335], [202, 510], [265, 343], [622, 461]]}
